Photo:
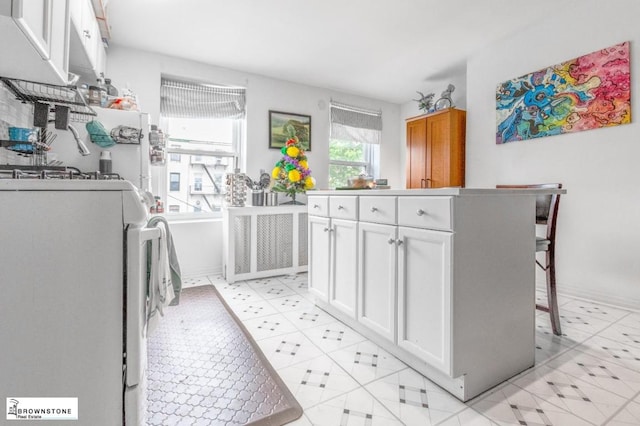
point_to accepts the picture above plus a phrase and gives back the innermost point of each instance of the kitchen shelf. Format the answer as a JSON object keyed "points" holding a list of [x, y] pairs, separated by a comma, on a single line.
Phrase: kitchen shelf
{"points": [[31, 92]]}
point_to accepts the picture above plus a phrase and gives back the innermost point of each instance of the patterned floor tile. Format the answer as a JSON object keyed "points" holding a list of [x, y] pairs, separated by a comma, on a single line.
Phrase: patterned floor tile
{"points": [[628, 416], [302, 276], [309, 317], [195, 281], [333, 336], [256, 309], [549, 346], [357, 407], [216, 279], [623, 334], [288, 349], [291, 302], [468, 417], [598, 372], [224, 288], [511, 405], [317, 380], [269, 326], [274, 290], [414, 399], [366, 361], [592, 309], [572, 334], [261, 283], [302, 421], [631, 320], [582, 322], [571, 394], [612, 351], [240, 296], [298, 284]]}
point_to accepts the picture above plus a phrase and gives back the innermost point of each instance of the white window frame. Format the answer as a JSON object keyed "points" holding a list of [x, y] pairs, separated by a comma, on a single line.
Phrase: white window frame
{"points": [[238, 148]]}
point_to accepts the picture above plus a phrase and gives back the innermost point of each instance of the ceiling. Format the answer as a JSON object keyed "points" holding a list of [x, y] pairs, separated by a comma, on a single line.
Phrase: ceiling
{"points": [[381, 49]]}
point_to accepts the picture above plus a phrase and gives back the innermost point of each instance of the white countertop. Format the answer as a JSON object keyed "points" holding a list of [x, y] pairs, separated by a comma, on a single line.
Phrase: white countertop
{"points": [[65, 185], [436, 192]]}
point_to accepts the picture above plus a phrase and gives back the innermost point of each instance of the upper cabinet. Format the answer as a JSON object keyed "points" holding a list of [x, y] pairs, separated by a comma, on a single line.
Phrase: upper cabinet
{"points": [[42, 40], [35, 40], [88, 54], [436, 149]]}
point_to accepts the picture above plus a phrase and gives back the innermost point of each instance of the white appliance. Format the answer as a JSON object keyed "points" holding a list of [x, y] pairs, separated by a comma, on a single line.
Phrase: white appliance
{"points": [[130, 161], [73, 293]]}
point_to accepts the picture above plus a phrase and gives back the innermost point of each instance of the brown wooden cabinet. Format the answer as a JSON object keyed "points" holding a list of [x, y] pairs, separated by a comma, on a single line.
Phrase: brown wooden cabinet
{"points": [[435, 149]]}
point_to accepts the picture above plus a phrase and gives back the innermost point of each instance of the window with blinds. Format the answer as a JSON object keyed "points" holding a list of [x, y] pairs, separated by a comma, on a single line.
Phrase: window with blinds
{"points": [[354, 139], [205, 126]]}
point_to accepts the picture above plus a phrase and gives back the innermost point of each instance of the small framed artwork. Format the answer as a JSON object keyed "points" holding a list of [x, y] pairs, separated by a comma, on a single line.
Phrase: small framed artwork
{"points": [[284, 125]]}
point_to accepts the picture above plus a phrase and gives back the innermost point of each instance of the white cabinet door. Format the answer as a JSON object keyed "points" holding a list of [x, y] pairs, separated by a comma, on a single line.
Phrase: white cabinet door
{"points": [[319, 258], [33, 17], [34, 38], [344, 265], [377, 278], [60, 38], [87, 50], [424, 295]]}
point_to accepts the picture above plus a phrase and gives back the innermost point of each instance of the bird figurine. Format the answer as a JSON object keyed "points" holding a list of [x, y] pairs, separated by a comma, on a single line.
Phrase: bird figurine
{"points": [[446, 95]]}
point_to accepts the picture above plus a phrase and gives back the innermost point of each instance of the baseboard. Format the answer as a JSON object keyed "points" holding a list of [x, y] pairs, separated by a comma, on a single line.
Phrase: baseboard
{"points": [[595, 296]]}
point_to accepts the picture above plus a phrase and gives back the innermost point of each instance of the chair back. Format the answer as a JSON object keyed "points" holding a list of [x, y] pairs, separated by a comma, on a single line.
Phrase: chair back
{"points": [[546, 206]]}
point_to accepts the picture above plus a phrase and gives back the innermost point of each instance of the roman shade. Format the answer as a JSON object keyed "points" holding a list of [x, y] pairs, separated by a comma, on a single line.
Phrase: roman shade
{"points": [[184, 99], [354, 124]]}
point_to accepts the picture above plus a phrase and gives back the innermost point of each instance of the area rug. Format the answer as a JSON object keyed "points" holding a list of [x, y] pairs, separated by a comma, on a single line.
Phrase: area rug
{"points": [[206, 369]]}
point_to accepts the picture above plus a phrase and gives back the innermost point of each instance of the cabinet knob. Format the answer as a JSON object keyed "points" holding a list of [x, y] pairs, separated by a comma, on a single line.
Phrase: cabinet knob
{"points": [[340, 207], [374, 209], [316, 206], [420, 212], [391, 241], [86, 33], [399, 242], [326, 229]]}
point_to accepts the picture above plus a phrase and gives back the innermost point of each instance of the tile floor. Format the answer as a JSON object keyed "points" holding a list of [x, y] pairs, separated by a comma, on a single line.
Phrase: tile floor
{"points": [[588, 376]]}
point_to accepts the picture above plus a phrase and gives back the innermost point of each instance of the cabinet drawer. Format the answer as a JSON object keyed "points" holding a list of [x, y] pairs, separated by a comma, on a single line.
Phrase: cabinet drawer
{"points": [[378, 209], [318, 206], [343, 207], [425, 212]]}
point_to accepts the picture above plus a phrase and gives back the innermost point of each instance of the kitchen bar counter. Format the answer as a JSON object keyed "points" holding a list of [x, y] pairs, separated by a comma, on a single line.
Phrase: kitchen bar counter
{"points": [[436, 191], [444, 279]]}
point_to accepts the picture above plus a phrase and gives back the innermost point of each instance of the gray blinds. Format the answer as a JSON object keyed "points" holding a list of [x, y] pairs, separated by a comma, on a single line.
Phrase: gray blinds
{"points": [[349, 123], [182, 99]]}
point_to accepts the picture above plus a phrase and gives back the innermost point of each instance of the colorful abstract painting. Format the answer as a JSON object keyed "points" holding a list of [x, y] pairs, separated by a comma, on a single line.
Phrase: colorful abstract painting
{"points": [[588, 92]]}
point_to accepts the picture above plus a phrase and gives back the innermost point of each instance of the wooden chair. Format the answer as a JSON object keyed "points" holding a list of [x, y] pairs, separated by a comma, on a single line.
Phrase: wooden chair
{"points": [[547, 214]]}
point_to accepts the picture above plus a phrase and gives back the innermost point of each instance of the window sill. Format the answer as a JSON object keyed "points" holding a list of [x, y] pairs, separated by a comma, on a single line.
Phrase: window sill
{"points": [[181, 218]]}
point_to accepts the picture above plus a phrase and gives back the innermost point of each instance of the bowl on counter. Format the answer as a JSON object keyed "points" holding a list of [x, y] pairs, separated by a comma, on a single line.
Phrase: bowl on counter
{"points": [[360, 182]]}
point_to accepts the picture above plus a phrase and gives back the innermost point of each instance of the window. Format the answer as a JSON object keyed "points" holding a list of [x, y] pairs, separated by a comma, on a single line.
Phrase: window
{"points": [[173, 208], [197, 182], [205, 125], [354, 143], [174, 181], [174, 157]]}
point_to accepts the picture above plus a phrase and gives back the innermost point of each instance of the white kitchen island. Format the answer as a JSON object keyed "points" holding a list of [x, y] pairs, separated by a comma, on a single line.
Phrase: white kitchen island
{"points": [[444, 279]]}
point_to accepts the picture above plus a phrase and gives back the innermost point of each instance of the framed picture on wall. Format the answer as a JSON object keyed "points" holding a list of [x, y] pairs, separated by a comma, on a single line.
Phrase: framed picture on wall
{"points": [[284, 125]]}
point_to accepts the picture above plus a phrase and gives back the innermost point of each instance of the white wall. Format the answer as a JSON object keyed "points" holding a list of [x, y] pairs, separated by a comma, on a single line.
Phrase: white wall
{"points": [[599, 218], [141, 71]]}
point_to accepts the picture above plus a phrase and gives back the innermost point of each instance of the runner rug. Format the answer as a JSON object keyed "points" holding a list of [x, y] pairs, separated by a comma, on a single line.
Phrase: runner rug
{"points": [[206, 369]]}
